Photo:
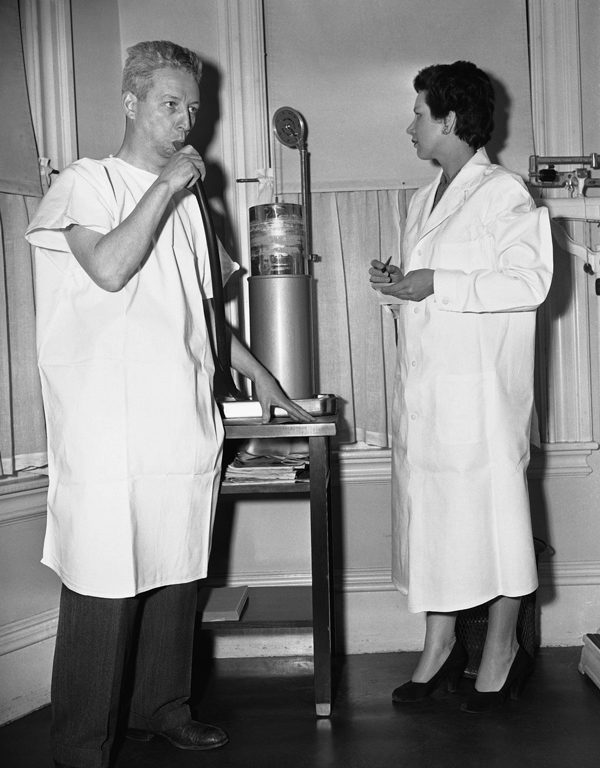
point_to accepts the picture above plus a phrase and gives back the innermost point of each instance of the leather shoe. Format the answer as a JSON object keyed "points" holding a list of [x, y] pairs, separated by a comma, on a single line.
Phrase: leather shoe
{"points": [[518, 674], [452, 669], [192, 735]]}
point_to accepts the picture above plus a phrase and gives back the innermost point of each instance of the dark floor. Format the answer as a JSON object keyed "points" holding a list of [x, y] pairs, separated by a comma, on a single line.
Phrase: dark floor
{"points": [[267, 708]]}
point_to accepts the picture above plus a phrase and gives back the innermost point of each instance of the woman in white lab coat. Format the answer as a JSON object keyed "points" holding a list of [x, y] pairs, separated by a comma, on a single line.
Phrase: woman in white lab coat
{"points": [[477, 262]]}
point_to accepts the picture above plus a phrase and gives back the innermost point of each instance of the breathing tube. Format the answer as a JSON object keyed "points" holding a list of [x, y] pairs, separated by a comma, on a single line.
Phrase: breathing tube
{"points": [[222, 350]]}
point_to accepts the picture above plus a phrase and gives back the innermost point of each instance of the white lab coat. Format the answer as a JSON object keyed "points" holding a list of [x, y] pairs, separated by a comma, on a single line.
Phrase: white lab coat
{"points": [[463, 397], [134, 434]]}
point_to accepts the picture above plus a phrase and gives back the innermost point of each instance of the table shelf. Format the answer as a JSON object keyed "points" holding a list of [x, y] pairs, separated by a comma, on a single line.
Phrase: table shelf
{"points": [[242, 489], [251, 428], [271, 607]]}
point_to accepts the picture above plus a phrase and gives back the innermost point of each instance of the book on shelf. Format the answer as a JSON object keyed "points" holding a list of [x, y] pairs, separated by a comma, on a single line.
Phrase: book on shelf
{"points": [[222, 603], [250, 468]]}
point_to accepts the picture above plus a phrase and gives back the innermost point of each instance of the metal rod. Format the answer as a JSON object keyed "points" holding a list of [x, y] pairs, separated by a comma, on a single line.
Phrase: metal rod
{"points": [[568, 160], [306, 212]]}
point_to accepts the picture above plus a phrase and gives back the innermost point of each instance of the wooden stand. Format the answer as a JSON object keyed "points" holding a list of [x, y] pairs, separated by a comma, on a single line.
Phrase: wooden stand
{"points": [[318, 434]]}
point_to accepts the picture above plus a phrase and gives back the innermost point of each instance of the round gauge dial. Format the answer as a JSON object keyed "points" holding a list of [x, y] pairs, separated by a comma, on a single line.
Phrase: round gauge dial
{"points": [[289, 127]]}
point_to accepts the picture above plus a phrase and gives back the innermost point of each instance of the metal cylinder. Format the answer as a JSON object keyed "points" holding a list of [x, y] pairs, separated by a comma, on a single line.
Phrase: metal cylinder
{"points": [[277, 239], [281, 330]]}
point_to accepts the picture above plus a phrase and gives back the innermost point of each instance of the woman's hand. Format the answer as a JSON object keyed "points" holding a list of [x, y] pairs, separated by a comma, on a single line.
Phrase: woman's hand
{"points": [[270, 394], [389, 280], [383, 273]]}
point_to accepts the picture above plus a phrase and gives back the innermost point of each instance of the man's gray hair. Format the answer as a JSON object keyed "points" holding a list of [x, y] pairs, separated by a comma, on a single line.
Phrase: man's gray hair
{"points": [[144, 59]]}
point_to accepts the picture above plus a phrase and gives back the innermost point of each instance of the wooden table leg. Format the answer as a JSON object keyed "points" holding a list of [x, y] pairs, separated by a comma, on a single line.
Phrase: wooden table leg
{"points": [[322, 571]]}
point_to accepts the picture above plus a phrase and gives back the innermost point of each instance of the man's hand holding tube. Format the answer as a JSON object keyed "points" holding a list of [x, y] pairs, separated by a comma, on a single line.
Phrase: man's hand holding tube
{"points": [[183, 169], [390, 281], [112, 258]]}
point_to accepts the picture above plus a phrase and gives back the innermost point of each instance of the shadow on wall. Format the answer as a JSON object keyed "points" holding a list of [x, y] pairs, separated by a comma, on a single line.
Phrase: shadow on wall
{"points": [[217, 178], [557, 305], [201, 137], [501, 121]]}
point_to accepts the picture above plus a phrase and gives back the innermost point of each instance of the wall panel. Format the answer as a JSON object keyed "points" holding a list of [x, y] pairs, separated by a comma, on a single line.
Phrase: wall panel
{"points": [[348, 68]]}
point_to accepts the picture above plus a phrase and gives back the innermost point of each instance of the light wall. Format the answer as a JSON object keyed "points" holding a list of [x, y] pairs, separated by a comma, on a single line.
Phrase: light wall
{"points": [[102, 32], [589, 20], [97, 73], [348, 68]]}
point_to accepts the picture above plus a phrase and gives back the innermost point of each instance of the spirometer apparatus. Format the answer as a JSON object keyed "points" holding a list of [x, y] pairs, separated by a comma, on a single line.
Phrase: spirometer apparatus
{"points": [[280, 287]]}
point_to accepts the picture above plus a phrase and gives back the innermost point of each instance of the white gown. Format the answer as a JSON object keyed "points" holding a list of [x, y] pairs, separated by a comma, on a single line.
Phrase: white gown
{"points": [[134, 434], [463, 398]]}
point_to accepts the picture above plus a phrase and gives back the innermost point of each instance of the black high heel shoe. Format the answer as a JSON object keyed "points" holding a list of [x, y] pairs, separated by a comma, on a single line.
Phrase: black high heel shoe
{"points": [[453, 669], [518, 674]]}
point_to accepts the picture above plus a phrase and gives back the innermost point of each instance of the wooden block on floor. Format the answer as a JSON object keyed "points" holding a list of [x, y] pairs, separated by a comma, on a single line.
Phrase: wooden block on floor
{"points": [[590, 658]]}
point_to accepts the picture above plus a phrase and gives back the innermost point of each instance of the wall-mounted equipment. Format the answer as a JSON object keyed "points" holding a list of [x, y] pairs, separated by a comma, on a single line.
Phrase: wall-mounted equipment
{"points": [[574, 181]]}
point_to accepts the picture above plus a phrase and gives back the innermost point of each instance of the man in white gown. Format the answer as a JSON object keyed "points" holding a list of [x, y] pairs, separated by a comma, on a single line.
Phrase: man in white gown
{"points": [[134, 433]]}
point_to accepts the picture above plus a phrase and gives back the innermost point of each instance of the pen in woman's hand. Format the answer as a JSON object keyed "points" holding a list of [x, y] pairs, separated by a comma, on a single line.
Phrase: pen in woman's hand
{"points": [[384, 268]]}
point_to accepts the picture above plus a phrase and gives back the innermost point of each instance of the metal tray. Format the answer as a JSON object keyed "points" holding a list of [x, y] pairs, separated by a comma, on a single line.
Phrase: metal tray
{"points": [[321, 405]]}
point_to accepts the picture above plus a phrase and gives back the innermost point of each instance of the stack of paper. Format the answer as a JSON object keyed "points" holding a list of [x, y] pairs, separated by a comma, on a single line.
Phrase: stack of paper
{"points": [[249, 468]]}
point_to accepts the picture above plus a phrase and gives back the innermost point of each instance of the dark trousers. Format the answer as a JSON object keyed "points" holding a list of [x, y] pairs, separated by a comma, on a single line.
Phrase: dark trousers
{"points": [[100, 642]]}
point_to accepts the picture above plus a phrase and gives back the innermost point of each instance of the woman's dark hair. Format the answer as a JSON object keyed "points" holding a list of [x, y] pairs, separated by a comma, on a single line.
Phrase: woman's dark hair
{"points": [[464, 89]]}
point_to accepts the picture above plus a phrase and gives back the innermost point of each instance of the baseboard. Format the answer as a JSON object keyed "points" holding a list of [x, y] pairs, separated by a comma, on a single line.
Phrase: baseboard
{"points": [[29, 631], [571, 587], [589, 663], [372, 617], [22, 506], [373, 465], [352, 580], [25, 676], [26, 652], [569, 574]]}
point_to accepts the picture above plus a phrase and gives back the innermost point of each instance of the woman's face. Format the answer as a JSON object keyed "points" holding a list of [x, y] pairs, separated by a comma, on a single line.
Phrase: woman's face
{"points": [[425, 131]]}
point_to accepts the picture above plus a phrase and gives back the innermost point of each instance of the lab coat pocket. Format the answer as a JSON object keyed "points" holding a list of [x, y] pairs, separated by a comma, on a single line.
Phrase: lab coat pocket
{"points": [[467, 256], [465, 407]]}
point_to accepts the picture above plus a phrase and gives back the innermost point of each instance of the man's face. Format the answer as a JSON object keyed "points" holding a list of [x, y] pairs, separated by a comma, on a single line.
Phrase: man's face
{"points": [[168, 112]]}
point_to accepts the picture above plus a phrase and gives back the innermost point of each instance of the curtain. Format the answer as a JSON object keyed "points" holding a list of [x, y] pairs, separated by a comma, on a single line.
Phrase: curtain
{"points": [[19, 171], [355, 336], [22, 429]]}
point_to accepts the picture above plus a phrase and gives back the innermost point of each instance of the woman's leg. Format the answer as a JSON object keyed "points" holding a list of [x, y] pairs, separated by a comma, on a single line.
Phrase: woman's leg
{"points": [[439, 641], [501, 644]]}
